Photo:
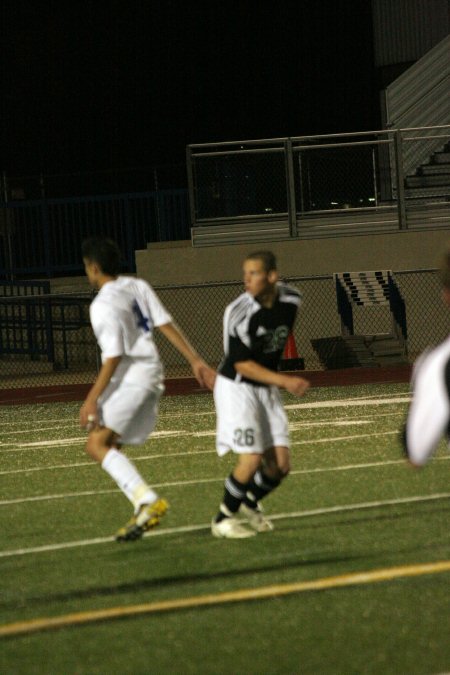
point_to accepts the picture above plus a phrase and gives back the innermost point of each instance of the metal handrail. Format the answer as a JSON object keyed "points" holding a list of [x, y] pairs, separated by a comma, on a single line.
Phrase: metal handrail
{"points": [[340, 145], [280, 140], [252, 151]]}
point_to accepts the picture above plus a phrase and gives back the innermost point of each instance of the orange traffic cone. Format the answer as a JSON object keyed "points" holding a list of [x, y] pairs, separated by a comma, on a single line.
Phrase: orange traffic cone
{"points": [[290, 359]]}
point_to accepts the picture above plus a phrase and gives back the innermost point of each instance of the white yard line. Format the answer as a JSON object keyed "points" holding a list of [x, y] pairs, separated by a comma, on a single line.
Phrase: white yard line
{"points": [[184, 453], [346, 438], [335, 403], [91, 463], [352, 467], [206, 526], [63, 442], [390, 395], [166, 434], [185, 414], [198, 481], [75, 440], [29, 420], [293, 426], [66, 495], [39, 429], [348, 402], [80, 440]]}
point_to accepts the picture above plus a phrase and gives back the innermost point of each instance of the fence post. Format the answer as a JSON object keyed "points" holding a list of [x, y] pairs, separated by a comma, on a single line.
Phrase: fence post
{"points": [[9, 264], [290, 187], [401, 209], [190, 177], [46, 239], [129, 236]]}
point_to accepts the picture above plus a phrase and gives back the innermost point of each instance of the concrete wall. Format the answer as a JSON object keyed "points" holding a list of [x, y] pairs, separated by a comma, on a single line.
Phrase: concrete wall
{"points": [[179, 263], [199, 310]]}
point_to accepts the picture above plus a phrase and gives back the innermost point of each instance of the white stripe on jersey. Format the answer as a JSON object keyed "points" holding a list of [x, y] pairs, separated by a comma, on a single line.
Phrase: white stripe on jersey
{"points": [[239, 310], [289, 294], [245, 306]]}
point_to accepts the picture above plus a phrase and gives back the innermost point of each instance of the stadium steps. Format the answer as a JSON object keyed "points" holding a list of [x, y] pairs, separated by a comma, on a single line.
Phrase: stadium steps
{"points": [[353, 351], [433, 174]]}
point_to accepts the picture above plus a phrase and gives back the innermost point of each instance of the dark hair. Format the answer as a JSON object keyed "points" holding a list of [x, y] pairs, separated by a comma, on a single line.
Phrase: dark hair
{"points": [[104, 252], [267, 258], [444, 271]]}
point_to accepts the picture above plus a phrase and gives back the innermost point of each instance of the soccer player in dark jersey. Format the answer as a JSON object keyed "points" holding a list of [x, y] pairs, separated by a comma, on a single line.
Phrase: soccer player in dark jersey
{"points": [[428, 419], [250, 417]]}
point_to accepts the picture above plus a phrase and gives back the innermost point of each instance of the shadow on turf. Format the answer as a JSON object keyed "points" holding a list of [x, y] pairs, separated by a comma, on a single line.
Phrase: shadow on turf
{"points": [[160, 582]]}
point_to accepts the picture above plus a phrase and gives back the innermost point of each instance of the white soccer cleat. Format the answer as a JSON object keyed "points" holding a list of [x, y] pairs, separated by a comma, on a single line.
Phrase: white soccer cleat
{"points": [[230, 528], [256, 518]]}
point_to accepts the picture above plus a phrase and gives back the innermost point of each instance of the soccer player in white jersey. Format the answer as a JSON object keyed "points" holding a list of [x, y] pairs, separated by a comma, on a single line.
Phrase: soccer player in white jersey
{"points": [[250, 417], [122, 405], [428, 419]]}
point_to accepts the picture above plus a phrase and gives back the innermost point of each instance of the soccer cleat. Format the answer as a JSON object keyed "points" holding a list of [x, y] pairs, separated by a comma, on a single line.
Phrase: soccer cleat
{"points": [[145, 519], [256, 518], [230, 528]]}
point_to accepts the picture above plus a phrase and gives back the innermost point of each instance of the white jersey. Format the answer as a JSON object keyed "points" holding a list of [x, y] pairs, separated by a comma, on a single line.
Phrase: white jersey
{"points": [[429, 414], [123, 316]]}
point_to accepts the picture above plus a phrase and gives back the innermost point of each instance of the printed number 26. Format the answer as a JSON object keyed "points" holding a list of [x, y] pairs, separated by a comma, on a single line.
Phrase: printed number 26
{"points": [[244, 437]]}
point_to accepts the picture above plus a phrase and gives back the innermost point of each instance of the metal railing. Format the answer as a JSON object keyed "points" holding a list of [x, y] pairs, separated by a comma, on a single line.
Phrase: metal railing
{"points": [[294, 183], [57, 345], [43, 237], [96, 182], [243, 191]]}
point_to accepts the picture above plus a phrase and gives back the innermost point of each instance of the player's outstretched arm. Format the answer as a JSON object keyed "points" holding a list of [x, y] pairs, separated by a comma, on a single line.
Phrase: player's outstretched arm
{"points": [[203, 373], [254, 371]]}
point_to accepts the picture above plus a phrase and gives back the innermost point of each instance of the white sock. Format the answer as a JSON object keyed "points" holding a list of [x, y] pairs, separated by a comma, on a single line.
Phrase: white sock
{"points": [[128, 478]]}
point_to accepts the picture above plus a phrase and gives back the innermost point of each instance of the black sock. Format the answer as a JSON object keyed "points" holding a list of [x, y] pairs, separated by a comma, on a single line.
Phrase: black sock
{"points": [[258, 488], [232, 498]]}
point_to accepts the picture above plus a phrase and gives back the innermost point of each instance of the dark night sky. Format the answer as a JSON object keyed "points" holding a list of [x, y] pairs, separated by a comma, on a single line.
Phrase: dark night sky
{"points": [[94, 85]]}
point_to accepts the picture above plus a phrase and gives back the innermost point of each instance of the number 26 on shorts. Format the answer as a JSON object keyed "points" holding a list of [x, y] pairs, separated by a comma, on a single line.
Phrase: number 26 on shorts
{"points": [[244, 437]]}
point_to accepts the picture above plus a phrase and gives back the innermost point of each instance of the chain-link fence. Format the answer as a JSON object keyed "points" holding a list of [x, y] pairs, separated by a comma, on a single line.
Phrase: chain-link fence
{"points": [[336, 177], [47, 339], [243, 182]]}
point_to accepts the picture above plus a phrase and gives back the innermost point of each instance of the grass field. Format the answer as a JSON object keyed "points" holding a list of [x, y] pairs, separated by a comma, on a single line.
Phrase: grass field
{"points": [[180, 601]]}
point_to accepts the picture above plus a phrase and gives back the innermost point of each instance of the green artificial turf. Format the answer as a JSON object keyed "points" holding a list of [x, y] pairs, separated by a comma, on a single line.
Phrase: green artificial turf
{"points": [[350, 504]]}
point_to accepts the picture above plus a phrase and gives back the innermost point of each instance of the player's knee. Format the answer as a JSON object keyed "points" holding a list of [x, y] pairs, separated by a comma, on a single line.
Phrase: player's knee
{"points": [[283, 465], [89, 447], [277, 472], [283, 470], [277, 463]]}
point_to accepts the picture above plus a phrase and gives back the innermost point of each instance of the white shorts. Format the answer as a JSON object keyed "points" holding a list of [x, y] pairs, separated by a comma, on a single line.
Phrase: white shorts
{"points": [[249, 418], [129, 410]]}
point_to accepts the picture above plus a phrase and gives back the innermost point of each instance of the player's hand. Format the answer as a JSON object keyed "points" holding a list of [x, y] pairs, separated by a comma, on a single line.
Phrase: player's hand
{"points": [[296, 385], [204, 374], [88, 415]]}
